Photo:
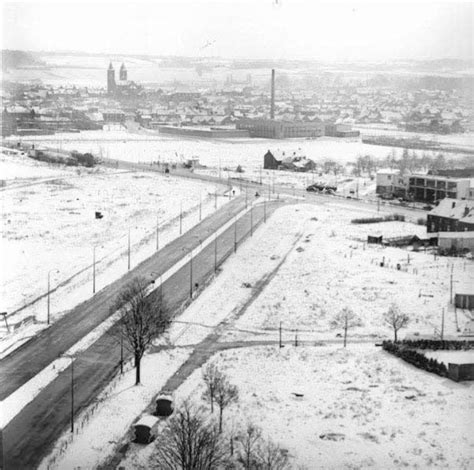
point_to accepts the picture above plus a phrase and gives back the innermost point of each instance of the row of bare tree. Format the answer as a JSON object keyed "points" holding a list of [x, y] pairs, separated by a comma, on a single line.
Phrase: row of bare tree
{"points": [[393, 317]]}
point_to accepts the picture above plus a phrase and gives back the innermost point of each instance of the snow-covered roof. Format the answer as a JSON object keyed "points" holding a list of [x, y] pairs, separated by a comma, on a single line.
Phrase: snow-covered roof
{"points": [[147, 420], [453, 209]]}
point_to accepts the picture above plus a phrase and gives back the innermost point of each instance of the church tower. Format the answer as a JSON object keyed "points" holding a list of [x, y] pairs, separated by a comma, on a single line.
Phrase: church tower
{"points": [[123, 73], [110, 79]]}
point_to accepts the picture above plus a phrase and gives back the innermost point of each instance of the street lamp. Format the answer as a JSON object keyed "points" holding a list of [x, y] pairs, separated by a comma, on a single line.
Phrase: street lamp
{"points": [[49, 292], [72, 389]]}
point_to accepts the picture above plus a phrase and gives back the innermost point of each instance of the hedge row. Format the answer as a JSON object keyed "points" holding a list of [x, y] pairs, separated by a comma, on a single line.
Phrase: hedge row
{"points": [[415, 358], [374, 220], [437, 345]]}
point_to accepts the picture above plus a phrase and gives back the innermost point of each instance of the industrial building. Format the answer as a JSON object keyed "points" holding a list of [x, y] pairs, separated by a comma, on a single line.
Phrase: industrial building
{"points": [[272, 129]]}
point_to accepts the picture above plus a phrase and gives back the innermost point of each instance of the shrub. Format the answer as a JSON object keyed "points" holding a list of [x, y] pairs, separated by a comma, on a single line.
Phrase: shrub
{"points": [[421, 221]]}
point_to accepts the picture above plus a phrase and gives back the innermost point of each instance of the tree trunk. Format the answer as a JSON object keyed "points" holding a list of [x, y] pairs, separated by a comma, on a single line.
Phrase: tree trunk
{"points": [[212, 401], [395, 335], [345, 336], [220, 419], [137, 369]]}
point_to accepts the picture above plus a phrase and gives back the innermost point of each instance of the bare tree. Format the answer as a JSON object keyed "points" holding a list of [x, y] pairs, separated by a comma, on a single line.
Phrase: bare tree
{"points": [[189, 442], [396, 319], [346, 319], [226, 394], [144, 317], [248, 446], [272, 457], [212, 377]]}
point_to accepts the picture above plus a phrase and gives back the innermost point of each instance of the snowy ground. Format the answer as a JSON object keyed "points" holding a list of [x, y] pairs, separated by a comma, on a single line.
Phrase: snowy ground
{"points": [[386, 413], [324, 270], [212, 152], [332, 268], [50, 226], [456, 357]]}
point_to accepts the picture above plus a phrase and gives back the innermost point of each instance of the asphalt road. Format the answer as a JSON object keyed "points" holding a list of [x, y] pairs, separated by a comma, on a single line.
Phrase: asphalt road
{"points": [[30, 435]]}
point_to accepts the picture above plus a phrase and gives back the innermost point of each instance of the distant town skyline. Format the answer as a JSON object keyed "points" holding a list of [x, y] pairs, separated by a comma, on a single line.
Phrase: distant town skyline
{"points": [[250, 29]]}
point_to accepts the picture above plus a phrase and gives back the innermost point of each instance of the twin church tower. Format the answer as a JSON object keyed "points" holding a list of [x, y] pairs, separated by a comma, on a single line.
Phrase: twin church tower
{"points": [[111, 84]]}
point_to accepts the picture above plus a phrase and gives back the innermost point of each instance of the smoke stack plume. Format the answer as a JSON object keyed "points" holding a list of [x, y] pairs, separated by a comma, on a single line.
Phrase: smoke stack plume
{"points": [[272, 105]]}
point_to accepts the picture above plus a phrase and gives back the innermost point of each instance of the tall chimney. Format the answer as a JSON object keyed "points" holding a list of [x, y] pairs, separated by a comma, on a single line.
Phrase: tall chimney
{"points": [[272, 105]]}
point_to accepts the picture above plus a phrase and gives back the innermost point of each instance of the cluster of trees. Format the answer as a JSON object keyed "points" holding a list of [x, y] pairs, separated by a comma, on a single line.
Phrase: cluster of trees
{"points": [[193, 440], [347, 319]]}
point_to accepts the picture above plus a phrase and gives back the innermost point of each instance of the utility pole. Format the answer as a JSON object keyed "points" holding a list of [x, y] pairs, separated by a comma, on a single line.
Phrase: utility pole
{"points": [[121, 349], [191, 275], [442, 325], [93, 270], [157, 233], [72, 394], [129, 248], [215, 253], [181, 218], [49, 294], [279, 329], [451, 284], [251, 220], [235, 235]]}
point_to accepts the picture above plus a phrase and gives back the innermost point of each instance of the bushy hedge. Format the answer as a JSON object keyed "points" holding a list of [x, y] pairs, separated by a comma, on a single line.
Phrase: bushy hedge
{"points": [[438, 345], [375, 220], [415, 358]]}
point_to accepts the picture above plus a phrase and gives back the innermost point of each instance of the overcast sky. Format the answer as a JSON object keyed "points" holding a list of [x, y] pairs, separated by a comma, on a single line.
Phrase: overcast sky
{"points": [[272, 29]]}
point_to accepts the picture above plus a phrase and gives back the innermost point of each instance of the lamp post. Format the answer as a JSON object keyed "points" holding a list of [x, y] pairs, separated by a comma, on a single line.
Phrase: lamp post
{"points": [[157, 233], [251, 219], [191, 275], [200, 207], [128, 252], [72, 389], [49, 293], [215, 253]]}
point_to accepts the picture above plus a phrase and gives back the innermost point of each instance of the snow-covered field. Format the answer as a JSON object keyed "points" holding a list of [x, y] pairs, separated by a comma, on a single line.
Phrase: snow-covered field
{"points": [[50, 226], [384, 414], [332, 268], [215, 153], [391, 415]]}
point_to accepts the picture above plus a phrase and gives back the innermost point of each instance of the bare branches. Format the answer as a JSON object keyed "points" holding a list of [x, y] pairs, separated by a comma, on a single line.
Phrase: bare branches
{"points": [[189, 442], [396, 319], [226, 394], [144, 317], [346, 319], [211, 376]]}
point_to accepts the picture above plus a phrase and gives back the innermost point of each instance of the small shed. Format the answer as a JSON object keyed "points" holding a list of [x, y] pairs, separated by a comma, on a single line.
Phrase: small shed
{"points": [[374, 239], [464, 300], [270, 162], [458, 372], [164, 405], [145, 429]]}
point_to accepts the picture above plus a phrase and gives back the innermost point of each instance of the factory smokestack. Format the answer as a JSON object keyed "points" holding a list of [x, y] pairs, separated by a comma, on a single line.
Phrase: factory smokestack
{"points": [[272, 104]]}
